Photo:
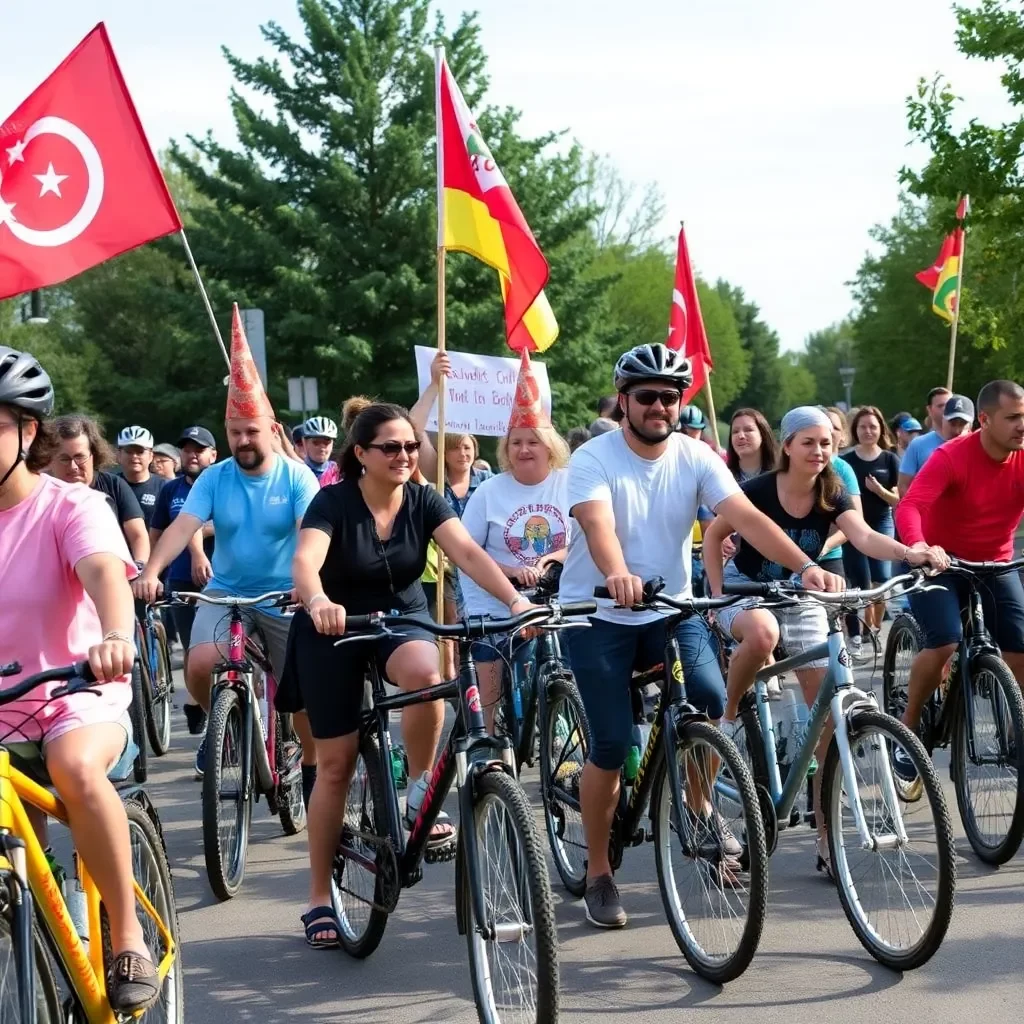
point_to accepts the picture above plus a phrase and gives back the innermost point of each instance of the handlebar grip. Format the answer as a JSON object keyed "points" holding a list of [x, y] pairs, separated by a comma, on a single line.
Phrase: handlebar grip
{"points": [[83, 671], [360, 623], [603, 592], [580, 607], [743, 589]]}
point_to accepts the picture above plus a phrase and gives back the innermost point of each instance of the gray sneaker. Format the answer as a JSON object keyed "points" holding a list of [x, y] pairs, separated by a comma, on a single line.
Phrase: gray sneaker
{"points": [[604, 908]]}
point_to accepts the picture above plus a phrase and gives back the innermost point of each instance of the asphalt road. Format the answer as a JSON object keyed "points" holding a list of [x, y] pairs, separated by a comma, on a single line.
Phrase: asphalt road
{"points": [[245, 960]]}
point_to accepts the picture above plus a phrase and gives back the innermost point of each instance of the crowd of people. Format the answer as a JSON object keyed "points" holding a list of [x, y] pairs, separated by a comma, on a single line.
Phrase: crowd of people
{"points": [[358, 527]]}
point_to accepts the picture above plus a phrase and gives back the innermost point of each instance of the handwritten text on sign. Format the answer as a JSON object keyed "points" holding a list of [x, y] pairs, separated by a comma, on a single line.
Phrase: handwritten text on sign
{"points": [[480, 391]]}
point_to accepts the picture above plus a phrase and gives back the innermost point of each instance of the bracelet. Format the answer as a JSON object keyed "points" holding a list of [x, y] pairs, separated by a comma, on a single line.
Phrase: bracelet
{"points": [[519, 600], [315, 597], [116, 634], [807, 565]]}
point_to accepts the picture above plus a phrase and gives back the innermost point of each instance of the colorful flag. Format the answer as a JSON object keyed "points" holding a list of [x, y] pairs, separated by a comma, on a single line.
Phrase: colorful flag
{"points": [[685, 323], [478, 214], [78, 181], [943, 276]]}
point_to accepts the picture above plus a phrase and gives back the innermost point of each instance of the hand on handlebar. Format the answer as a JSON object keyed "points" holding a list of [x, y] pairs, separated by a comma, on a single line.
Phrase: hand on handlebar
{"points": [[626, 590], [934, 558], [526, 575], [328, 617], [111, 660], [146, 588], [816, 578]]}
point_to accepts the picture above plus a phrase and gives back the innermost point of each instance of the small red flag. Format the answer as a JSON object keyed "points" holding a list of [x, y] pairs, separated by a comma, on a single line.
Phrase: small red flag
{"points": [[78, 181], [685, 324]]}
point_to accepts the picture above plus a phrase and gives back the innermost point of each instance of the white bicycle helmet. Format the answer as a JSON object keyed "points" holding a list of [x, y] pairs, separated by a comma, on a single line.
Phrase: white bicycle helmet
{"points": [[320, 426], [135, 435]]}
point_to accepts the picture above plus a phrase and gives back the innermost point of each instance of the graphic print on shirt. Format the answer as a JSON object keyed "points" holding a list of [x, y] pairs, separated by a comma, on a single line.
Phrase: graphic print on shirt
{"points": [[808, 541], [533, 531]]}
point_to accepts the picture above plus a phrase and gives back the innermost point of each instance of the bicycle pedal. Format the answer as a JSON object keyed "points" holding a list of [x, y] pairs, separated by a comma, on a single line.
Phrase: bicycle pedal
{"points": [[441, 853]]}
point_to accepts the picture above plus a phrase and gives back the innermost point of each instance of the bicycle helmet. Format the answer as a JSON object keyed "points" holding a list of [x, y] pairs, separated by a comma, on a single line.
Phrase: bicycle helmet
{"points": [[653, 362], [320, 426], [24, 384], [135, 435], [691, 418]]}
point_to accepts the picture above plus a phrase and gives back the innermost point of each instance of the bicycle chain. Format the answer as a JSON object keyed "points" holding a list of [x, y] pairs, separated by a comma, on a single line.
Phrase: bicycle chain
{"points": [[387, 870]]}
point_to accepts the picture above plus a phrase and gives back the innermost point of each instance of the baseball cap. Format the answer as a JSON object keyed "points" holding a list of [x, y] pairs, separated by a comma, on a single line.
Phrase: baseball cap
{"points": [[169, 450], [198, 435], [909, 424], [959, 407], [601, 426]]}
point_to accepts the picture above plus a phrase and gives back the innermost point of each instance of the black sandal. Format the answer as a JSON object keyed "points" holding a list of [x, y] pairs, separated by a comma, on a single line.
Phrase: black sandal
{"points": [[318, 920], [824, 863], [133, 984]]}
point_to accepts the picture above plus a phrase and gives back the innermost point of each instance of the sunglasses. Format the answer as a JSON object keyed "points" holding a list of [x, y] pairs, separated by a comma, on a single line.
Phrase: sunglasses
{"points": [[392, 449], [648, 396]]}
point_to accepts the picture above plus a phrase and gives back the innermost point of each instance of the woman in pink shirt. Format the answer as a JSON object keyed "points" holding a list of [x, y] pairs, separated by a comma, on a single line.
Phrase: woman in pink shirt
{"points": [[64, 570]]}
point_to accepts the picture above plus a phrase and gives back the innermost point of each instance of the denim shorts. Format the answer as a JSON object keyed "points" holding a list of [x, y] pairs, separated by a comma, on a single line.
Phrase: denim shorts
{"points": [[862, 571], [603, 659], [1002, 598]]}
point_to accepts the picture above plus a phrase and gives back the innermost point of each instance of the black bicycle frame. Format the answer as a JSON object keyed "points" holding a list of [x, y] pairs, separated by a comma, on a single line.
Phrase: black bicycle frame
{"points": [[547, 661]]}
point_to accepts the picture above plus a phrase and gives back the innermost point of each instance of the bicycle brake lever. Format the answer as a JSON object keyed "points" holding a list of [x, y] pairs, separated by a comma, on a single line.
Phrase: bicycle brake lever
{"points": [[357, 637], [566, 625]]}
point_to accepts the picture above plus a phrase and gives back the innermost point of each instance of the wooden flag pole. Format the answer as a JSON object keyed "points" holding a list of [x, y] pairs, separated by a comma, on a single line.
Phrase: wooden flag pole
{"points": [[205, 298], [443, 385], [956, 312], [711, 413]]}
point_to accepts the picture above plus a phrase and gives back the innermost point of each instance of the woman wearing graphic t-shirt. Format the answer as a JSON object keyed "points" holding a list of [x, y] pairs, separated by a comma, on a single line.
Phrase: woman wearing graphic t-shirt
{"points": [[520, 518], [362, 548], [805, 498]]}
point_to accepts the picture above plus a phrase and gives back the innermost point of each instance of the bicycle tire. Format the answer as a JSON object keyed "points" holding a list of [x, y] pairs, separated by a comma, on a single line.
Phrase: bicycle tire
{"points": [[717, 969], [562, 688], [137, 715], [360, 943], [291, 808], [158, 699], [905, 635], [48, 1007], [170, 1005], [853, 902], [999, 852], [531, 880], [225, 869]]}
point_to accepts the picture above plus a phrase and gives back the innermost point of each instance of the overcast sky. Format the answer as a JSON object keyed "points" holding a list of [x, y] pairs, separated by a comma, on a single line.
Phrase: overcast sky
{"points": [[775, 129]]}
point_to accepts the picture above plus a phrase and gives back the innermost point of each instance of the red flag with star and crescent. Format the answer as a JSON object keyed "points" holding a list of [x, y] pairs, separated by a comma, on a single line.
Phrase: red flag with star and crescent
{"points": [[685, 323], [78, 181]]}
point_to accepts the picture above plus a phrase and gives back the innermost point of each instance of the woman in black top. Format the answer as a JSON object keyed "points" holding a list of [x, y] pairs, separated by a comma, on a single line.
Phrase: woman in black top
{"points": [[362, 548], [877, 467], [805, 498]]}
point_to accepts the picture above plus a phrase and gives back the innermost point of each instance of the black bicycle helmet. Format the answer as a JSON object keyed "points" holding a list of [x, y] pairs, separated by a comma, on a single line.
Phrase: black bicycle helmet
{"points": [[653, 362], [24, 384]]}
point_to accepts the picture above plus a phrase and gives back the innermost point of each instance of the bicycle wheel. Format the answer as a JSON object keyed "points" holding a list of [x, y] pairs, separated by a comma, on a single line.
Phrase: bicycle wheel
{"points": [[898, 897], [226, 810], [905, 640], [153, 875], [48, 1009], [365, 858], [158, 703], [137, 715], [564, 744], [288, 752], [514, 967], [990, 785], [714, 877]]}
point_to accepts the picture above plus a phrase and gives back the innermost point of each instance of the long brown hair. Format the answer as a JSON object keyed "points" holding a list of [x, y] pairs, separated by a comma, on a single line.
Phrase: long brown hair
{"points": [[885, 439], [76, 425], [769, 446], [827, 485]]}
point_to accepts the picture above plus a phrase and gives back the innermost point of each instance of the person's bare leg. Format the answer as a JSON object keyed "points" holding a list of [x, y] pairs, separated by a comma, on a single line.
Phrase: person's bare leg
{"points": [[300, 723], [488, 674], [925, 676], [414, 666], [758, 633], [201, 661], [599, 793]]}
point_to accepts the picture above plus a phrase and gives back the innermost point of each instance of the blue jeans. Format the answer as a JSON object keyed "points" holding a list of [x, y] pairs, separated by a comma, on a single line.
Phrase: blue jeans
{"points": [[603, 659]]}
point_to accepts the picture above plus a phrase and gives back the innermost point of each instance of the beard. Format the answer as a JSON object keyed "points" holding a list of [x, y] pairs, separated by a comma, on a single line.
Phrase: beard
{"points": [[249, 457]]}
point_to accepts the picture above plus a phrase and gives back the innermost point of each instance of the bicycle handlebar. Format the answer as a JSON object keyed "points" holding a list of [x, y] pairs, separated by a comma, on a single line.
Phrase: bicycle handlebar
{"points": [[842, 597], [686, 604], [281, 598], [986, 567], [78, 676]]}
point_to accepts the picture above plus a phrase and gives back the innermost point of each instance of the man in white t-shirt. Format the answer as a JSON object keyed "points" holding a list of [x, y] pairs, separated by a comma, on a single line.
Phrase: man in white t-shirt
{"points": [[634, 494]]}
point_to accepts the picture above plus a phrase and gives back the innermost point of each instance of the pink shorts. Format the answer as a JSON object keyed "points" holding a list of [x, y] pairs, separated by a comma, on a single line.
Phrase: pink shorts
{"points": [[33, 720]]}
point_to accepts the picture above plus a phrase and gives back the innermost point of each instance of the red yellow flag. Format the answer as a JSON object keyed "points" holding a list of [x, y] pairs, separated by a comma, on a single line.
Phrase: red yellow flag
{"points": [[478, 214], [943, 276]]}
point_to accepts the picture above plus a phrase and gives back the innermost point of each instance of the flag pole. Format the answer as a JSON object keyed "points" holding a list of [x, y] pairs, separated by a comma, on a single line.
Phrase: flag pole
{"points": [[707, 386], [443, 384], [956, 312], [206, 299]]}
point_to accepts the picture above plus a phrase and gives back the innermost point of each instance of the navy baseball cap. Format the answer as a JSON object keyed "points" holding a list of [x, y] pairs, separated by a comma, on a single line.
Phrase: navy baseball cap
{"points": [[197, 435], [959, 407]]}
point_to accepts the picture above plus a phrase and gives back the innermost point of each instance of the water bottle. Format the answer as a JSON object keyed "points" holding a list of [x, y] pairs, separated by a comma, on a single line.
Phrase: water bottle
{"points": [[632, 765], [398, 768], [74, 897]]}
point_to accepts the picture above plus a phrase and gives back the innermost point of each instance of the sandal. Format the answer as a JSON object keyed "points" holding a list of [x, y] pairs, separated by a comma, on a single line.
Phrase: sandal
{"points": [[443, 831], [318, 921], [825, 863], [133, 984]]}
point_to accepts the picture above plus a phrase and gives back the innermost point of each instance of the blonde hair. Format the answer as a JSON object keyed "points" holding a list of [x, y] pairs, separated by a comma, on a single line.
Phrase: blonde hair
{"points": [[351, 408], [452, 443], [558, 450]]}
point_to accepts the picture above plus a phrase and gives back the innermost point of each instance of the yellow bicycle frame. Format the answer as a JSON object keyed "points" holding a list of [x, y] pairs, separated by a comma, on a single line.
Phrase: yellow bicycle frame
{"points": [[84, 968]]}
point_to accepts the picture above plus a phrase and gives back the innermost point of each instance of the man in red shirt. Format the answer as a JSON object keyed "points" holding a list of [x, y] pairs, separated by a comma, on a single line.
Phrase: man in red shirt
{"points": [[969, 499]]}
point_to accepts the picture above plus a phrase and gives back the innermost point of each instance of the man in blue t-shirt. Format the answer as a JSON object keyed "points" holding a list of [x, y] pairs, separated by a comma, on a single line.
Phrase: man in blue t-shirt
{"points": [[957, 418], [256, 501]]}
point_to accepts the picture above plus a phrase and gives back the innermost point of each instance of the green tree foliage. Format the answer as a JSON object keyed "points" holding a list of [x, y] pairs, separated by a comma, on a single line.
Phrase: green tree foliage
{"points": [[824, 352]]}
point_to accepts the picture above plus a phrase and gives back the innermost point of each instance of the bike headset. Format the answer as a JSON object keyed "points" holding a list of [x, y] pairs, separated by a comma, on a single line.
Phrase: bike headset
{"points": [[651, 364], [26, 387]]}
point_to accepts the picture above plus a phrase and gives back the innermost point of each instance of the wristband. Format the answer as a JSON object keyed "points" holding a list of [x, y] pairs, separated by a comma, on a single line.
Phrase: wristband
{"points": [[316, 597], [519, 600], [116, 634]]}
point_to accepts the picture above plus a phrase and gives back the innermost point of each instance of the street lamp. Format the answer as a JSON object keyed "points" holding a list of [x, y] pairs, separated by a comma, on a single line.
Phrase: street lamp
{"points": [[847, 374], [35, 309]]}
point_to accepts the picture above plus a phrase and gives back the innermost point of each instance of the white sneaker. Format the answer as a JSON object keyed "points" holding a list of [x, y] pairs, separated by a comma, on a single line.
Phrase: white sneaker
{"points": [[774, 685], [856, 646]]}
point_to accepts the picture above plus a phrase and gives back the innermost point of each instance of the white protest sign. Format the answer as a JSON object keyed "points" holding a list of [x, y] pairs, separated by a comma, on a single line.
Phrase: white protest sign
{"points": [[479, 392]]}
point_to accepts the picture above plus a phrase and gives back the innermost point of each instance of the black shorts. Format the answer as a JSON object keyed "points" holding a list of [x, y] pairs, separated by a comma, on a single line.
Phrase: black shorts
{"points": [[330, 680], [183, 614], [834, 566]]}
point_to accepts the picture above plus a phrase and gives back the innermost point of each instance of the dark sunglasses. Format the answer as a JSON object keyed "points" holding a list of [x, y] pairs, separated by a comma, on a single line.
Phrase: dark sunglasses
{"points": [[392, 449], [648, 396]]}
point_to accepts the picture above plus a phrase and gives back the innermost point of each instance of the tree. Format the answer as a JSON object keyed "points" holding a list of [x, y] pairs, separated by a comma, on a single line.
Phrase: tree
{"points": [[824, 352]]}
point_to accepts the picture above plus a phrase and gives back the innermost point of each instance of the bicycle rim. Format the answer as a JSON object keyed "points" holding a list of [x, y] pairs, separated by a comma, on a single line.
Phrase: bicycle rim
{"points": [[989, 786], [713, 878], [159, 705], [562, 760], [515, 965], [898, 897], [901, 648]]}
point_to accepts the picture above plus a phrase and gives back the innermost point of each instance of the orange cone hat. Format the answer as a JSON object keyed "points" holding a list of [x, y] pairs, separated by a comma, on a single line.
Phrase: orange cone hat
{"points": [[527, 408], [246, 398]]}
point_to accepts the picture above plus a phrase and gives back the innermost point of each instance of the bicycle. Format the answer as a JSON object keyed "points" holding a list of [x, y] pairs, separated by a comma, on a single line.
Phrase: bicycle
{"points": [[503, 901], [35, 920], [245, 757], [978, 710], [859, 796], [717, 919], [155, 665]]}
